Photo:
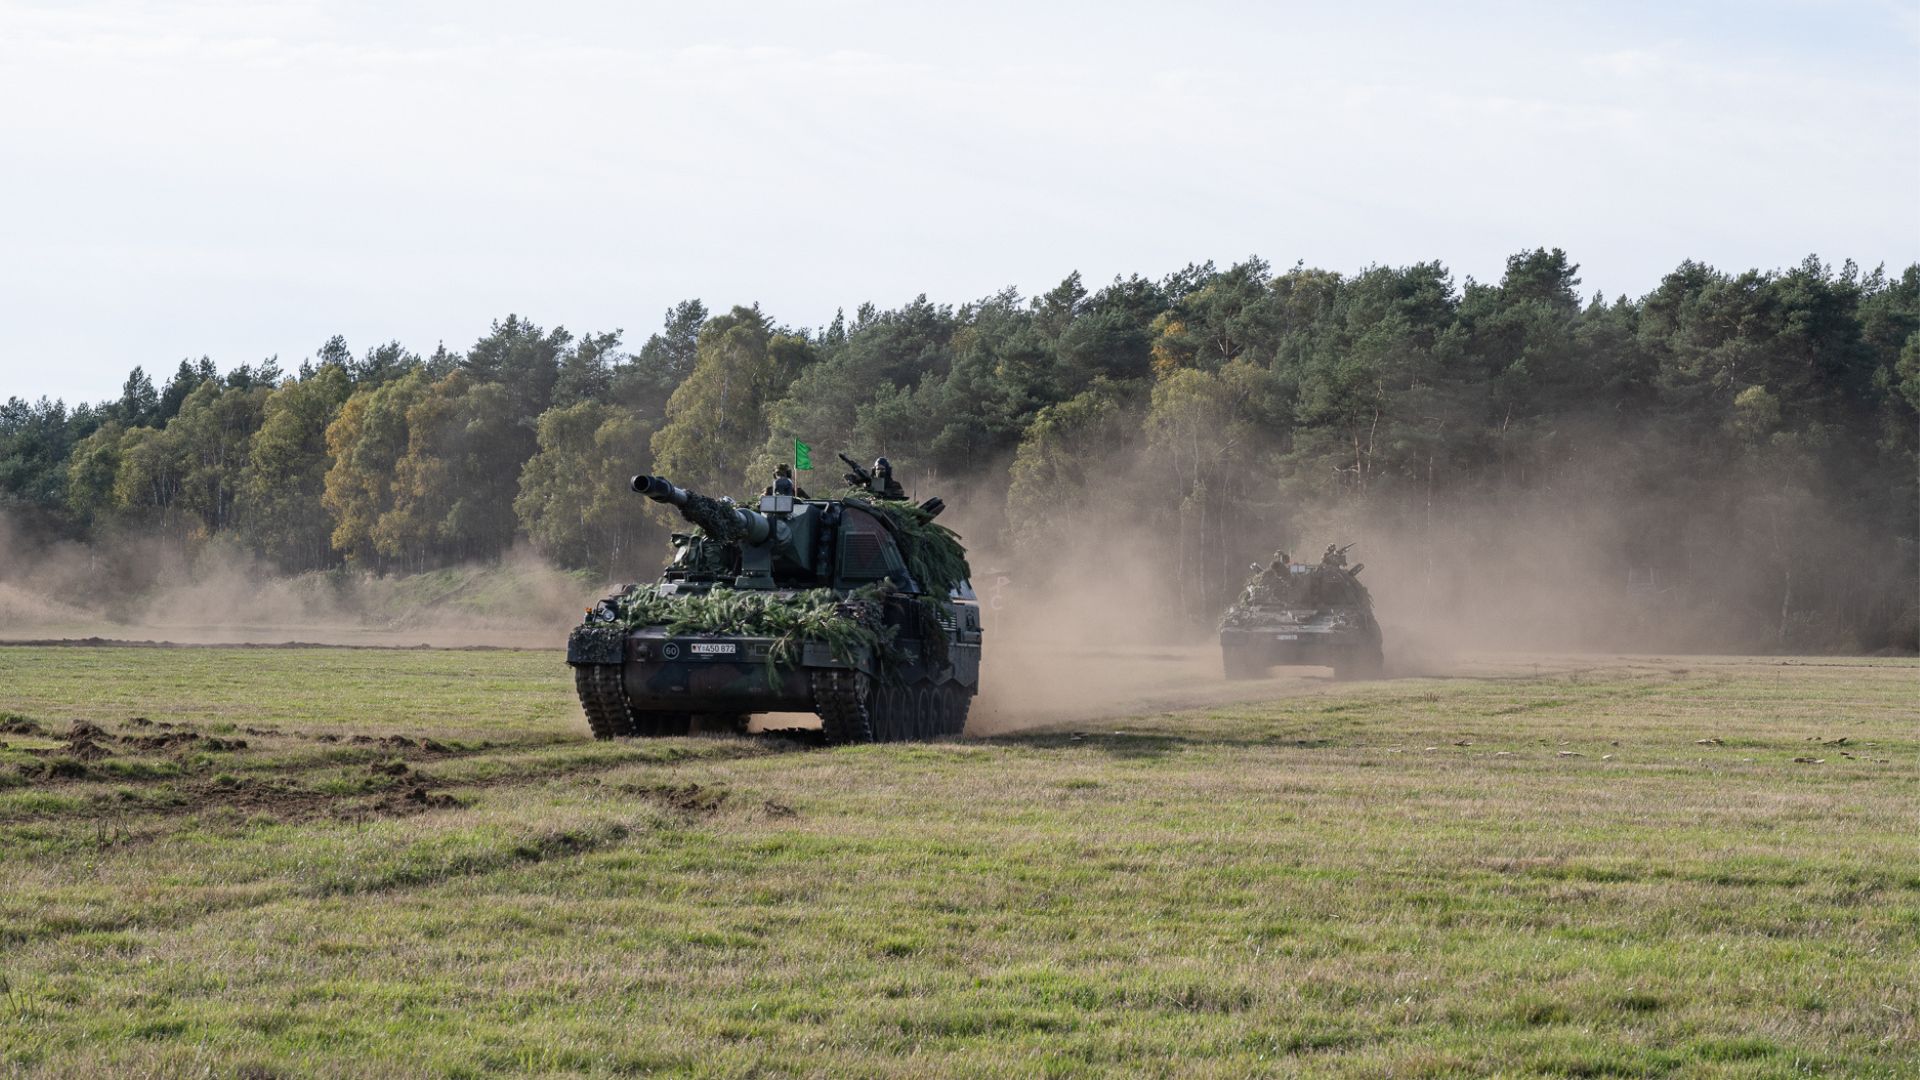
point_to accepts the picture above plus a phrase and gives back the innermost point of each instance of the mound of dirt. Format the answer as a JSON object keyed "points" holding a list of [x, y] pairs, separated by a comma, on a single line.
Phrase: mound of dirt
{"points": [[59, 768], [257, 798], [174, 740], [168, 741], [83, 742], [413, 801], [690, 798]]}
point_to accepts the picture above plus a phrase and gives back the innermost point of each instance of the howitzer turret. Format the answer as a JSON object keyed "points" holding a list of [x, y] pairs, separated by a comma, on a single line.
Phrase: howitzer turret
{"points": [[855, 608], [780, 537]]}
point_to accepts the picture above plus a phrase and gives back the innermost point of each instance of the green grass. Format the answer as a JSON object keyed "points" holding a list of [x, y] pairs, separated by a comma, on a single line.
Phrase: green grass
{"points": [[1557, 875]]}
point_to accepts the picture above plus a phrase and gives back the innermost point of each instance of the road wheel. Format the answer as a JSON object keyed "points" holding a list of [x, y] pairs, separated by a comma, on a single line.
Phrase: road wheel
{"points": [[926, 724], [1240, 662], [880, 711], [959, 701], [903, 714], [888, 723]]}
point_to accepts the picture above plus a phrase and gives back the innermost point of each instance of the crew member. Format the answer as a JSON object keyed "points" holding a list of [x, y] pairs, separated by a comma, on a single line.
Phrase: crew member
{"points": [[783, 483], [884, 485]]}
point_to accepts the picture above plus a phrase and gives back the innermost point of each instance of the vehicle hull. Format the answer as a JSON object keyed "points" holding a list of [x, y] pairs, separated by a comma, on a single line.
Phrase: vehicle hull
{"points": [[662, 672], [1297, 647], [1247, 652]]}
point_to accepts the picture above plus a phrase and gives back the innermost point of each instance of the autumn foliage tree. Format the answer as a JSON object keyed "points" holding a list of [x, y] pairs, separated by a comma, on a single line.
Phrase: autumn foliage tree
{"points": [[1740, 425]]}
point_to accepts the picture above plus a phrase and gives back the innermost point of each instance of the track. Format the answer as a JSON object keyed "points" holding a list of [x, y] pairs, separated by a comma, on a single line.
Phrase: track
{"points": [[840, 697], [604, 700]]}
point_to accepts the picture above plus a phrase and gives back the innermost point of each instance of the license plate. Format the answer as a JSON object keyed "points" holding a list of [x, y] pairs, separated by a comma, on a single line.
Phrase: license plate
{"points": [[1283, 637], [714, 648]]}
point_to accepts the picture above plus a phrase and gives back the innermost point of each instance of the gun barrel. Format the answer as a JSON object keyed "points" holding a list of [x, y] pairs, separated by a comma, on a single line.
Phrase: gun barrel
{"points": [[718, 519], [660, 490]]}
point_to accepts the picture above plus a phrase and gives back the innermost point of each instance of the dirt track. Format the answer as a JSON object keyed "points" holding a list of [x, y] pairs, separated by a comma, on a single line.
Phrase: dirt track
{"points": [[1030, 685]]}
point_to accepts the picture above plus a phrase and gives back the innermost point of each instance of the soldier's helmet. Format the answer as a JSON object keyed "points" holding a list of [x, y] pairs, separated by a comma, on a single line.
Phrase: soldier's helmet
{"points": [[883, 468]]}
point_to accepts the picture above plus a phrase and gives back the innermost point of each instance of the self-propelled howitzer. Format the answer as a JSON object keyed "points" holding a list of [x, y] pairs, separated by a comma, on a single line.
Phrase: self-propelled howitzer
{"points": [[855, 608], [1294, 613]]}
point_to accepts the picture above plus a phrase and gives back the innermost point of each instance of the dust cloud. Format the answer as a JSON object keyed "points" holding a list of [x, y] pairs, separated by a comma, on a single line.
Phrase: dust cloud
{"points": [[1118, 617], [163, 589], [1093, 631], [1114, 612], [1104, 631]]}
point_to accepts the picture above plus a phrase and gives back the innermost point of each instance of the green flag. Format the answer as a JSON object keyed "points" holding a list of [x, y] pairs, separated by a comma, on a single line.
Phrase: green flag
{"points": [[802, 456]]}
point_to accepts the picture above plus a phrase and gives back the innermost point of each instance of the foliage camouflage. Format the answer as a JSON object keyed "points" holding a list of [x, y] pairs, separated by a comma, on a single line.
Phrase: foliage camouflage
{"points": [[845, 624], [935, 557], [714, 517], [790, 619]]}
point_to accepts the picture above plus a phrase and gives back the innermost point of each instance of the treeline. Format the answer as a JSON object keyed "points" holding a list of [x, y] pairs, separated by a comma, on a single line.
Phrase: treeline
{"points": [[1751, 421]]}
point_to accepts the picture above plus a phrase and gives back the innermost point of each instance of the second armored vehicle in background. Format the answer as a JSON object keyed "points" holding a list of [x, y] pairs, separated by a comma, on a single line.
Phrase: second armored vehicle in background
{"points": [[1295, 613]]}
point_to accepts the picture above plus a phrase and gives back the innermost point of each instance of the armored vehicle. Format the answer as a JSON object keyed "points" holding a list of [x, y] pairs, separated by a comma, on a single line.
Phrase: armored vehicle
{"points": [[856, 608], [1296, 613]]}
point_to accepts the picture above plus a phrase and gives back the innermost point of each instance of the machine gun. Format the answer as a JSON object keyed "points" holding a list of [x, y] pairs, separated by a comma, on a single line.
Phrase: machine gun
{"points": [[1336, 558], [859, 477], [877, 480]]}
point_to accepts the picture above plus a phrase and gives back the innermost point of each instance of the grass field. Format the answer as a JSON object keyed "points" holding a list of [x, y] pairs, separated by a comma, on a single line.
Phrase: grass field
{"points": [[417, 864]]}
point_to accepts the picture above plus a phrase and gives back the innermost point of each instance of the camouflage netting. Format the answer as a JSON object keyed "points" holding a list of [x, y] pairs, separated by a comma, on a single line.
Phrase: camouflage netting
{"points": [[791, 620], [934, 554], [714, 517]]}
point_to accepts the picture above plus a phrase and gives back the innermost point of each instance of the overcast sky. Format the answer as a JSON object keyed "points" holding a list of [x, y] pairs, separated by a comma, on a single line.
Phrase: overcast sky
{"points": [[242, 180]]}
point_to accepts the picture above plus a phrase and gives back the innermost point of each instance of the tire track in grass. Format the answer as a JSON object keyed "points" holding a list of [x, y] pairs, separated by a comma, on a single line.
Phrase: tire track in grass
{"points": [[269, 789], [430, 861]]}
